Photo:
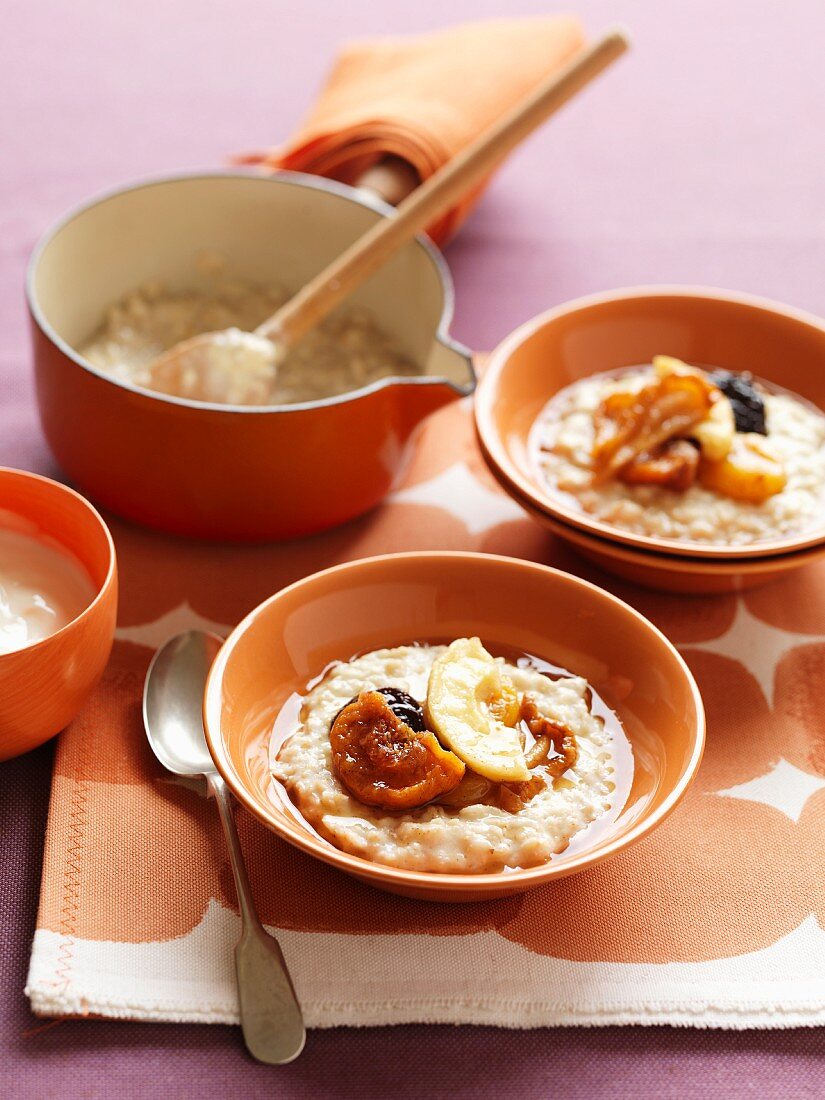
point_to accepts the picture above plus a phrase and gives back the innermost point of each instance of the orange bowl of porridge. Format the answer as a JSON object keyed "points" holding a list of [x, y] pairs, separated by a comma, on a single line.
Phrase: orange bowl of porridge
{"points": [[453, 726], [253, 452], [678, 421], [685, 576]]}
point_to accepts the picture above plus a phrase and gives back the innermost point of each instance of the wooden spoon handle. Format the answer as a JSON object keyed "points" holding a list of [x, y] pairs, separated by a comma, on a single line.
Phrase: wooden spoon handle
{"points": [[437, 194]]}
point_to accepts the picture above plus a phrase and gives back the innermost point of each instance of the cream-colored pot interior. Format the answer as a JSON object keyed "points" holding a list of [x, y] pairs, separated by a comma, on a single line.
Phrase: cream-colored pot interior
{"points": [[282, 229]]}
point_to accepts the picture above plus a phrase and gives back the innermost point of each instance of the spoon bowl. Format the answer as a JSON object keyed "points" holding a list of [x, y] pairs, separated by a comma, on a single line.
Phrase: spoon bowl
{"points": [[172, 702], [231, 366]]}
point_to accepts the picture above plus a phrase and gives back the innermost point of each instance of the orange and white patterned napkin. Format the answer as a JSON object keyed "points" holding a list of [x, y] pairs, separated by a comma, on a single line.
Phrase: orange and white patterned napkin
{"points": [[714, 920]]}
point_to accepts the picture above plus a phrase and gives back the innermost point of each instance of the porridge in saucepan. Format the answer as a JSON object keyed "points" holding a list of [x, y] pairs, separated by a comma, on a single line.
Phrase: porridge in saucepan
{"points": [[445, 758], [673, 451], [344, 353]]}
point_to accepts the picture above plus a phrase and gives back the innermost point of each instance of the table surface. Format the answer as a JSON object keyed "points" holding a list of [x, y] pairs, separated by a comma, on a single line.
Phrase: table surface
{"points": [[698, 160]]}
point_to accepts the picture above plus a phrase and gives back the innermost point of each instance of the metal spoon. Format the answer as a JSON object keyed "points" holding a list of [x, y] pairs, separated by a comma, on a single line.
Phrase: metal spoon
{"points": [[273, 1027]]}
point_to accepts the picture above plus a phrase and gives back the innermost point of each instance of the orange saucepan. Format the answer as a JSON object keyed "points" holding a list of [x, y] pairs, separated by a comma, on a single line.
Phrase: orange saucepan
{"points": [[217, 471], [271, 657], [43, 686]]}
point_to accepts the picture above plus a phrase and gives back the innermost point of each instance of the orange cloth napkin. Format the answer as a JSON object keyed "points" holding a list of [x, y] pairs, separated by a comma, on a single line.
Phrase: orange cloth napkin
{"points": [[716, 919], [423, 99]]}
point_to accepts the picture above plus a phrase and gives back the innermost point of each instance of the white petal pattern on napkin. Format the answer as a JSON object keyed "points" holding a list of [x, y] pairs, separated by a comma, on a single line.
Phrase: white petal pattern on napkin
{"points": [[757, 645], [785, 787], [426, 979], [460, 493], [158, 631]]}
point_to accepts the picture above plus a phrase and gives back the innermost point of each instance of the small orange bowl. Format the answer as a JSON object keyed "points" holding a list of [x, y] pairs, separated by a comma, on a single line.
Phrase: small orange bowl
{"points": [[625, 328], [44, 685], [270, 658]]}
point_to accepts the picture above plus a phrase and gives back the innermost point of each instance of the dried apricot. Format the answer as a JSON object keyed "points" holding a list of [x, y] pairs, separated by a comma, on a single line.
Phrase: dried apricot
{"points": [[672, 466], [383, 762], [629, 425], [749, 473]]}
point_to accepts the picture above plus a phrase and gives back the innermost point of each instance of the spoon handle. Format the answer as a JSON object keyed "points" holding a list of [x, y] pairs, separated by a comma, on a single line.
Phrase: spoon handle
{"points": [[273, 1027], [437, 194]]}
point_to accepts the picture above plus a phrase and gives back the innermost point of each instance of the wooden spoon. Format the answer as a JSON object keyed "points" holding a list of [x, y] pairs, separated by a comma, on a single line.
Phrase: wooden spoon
{"points": [[243, 364]]}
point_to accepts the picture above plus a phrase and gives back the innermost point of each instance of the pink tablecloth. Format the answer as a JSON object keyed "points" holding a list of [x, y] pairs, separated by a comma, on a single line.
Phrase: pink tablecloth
{"points": [[699, 161]]}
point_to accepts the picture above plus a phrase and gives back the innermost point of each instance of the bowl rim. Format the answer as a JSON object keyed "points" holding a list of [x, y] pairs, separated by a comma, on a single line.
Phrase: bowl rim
{"points": [[436, 881], [111, 569], [288, 178], [498, 456], [698, 567]]}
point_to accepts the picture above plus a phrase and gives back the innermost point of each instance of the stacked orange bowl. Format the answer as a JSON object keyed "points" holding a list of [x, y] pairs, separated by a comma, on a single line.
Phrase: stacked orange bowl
{"points": [[782, 347]]}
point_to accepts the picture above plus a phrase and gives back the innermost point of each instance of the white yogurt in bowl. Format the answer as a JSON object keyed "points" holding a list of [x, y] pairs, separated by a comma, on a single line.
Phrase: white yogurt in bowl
{"points": [[43, 587]]}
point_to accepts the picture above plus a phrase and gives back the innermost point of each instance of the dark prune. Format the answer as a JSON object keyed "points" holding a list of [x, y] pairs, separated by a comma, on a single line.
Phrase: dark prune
{"points": [[406, 708], [402, 705], [745, 398]]}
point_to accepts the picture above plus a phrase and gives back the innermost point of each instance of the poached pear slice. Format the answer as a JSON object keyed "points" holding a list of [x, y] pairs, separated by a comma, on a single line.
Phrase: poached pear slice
{"points": [[465, 687]]}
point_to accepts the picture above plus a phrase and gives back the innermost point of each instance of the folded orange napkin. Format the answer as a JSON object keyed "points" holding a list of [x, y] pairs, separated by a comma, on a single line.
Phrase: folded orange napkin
{"points": [[423, 99]]}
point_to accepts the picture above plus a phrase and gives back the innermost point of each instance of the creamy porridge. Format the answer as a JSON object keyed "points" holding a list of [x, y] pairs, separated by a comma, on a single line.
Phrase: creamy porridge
{"points": [[345, 352], [518, 761], [741, 468]]}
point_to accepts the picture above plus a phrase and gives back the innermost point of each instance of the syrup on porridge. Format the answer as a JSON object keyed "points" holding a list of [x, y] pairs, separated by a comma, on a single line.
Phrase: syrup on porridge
{"points": [[445, 758]]}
